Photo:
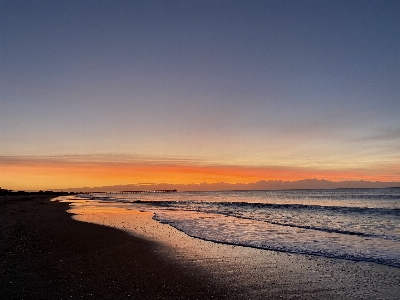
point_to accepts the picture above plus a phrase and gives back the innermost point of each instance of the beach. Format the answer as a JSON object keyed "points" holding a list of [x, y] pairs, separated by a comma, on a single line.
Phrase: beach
{"points": [[45, 254], [122, 253]]}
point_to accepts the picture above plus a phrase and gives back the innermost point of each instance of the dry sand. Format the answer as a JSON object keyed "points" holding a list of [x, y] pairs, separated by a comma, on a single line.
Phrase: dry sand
{"points": [[249, 273]]}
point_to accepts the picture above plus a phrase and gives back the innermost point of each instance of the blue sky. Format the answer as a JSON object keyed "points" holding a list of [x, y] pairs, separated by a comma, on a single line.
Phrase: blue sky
{"points": [[304, 84]]}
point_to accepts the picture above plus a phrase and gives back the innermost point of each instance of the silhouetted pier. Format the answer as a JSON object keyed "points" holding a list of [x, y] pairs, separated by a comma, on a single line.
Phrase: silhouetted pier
{"points": [[146, 192]]}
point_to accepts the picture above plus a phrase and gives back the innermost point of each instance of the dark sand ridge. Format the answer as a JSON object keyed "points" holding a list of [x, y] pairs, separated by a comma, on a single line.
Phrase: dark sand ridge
{"points": [[44, 254]]}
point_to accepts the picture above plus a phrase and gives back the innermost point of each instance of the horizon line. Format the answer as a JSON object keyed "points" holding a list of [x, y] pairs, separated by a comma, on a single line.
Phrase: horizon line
{"points": [[304, 184]]}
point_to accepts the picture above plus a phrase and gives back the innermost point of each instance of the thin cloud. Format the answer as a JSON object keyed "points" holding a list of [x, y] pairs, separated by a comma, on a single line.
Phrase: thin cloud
{"points": [[383, 135]]}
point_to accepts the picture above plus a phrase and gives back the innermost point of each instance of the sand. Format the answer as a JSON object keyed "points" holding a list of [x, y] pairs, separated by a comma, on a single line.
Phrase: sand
{"points": [[45, 254]]}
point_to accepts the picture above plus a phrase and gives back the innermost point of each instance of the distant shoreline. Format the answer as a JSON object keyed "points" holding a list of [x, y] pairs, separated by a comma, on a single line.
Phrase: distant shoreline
{"points": [[6, 192], [262, 185]]}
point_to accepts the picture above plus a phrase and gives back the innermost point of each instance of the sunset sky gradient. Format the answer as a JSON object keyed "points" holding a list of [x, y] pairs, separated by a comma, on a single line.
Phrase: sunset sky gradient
{"points": [[100, 93]]}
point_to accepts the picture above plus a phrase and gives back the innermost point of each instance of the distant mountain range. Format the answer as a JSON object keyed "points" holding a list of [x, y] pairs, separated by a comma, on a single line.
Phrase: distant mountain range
{"points": [[259, 185]]}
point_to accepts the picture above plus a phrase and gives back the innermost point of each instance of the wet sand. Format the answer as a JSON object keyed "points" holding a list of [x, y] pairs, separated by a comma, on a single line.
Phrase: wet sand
{"points": [[45, 254]]}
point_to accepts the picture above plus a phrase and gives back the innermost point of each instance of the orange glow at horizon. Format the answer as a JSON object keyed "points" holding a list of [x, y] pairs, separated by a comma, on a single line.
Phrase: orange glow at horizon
{"points": [[58, 174]]}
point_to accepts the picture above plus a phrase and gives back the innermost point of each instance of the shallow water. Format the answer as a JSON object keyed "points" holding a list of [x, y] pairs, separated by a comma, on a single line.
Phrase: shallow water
{"points": [[355, 224]]}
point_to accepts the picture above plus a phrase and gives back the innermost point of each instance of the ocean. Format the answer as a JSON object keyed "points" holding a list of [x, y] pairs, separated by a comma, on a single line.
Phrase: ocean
{"points": [[352, 224]]}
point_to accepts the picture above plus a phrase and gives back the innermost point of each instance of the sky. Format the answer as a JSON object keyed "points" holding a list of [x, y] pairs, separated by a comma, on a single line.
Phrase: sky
{"points": [[97, 93]]}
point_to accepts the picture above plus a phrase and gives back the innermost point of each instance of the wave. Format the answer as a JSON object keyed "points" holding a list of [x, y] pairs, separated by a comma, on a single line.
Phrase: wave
{"points": [[326, 229], [194, 232], [331, 253], [258, 212], [339, 209]]}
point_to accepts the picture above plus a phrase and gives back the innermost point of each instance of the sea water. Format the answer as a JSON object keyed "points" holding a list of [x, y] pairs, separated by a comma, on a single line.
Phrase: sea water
{"points": [[354, 224]]}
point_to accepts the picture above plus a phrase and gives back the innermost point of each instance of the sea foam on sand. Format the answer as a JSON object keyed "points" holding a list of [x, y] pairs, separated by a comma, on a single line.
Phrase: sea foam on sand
{"points": [[250, 273]]}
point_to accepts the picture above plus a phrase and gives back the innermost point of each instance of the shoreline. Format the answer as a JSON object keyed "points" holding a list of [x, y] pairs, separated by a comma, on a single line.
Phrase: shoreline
{"points": [[252, 273], [45, 254], [49, 253]]}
